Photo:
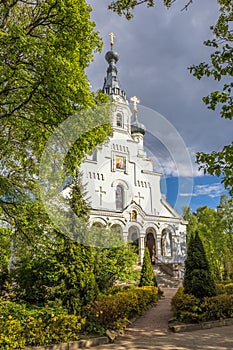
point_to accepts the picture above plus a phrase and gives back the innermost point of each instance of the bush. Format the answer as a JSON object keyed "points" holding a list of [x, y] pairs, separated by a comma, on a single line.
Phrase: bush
{"points": [[187, 308], [21, 326], [217, 308], [147, 273], [113, 311], [198, 280], [223, 288]]}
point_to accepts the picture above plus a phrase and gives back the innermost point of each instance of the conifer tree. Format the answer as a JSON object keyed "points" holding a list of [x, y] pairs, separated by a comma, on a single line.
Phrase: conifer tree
{"points": [[148, 277], [198, 279]]}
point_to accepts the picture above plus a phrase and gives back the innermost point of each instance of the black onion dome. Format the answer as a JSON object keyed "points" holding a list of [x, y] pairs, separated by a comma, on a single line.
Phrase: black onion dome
{"points": [[138, 128], [111, 56]]}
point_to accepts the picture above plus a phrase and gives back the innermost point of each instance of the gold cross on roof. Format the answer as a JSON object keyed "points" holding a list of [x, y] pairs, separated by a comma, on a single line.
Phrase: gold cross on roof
{"points": [[135, 101], [112, 36]]}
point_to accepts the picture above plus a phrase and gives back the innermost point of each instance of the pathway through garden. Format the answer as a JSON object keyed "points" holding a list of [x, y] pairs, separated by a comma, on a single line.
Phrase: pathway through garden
{"points": [[150, 332]]}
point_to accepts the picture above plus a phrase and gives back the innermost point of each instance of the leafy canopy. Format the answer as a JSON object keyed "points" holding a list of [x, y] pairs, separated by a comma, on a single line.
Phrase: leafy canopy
{"points": [[215, 228], [46, 46]]}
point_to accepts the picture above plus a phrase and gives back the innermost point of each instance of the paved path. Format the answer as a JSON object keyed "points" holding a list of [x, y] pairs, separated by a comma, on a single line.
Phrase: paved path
{"points": [[150, 332]]}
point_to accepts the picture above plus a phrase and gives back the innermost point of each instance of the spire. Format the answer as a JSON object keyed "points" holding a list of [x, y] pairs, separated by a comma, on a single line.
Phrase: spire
{"points": [[111, 82], [136, 127]]}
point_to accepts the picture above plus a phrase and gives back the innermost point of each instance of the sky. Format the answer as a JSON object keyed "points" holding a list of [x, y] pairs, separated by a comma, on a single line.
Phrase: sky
{"points": [[156, 48]]}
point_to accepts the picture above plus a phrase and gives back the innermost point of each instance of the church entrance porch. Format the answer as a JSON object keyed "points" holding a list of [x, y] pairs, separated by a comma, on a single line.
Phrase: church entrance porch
{"points": [[150, 244]]}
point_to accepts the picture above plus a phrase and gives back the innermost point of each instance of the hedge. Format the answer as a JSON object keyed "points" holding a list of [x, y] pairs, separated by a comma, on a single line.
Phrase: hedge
{"points": [[113, 311], [187, 308], [224, 288], [22, 326]]}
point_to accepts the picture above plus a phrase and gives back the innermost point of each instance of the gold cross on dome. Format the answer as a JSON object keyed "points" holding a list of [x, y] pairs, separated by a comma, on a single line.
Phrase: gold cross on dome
{"points": [[135, 101], [112, 36]]}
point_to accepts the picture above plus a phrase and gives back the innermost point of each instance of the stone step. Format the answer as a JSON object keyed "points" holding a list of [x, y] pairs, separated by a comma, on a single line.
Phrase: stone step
{"points": [[165, 280]]}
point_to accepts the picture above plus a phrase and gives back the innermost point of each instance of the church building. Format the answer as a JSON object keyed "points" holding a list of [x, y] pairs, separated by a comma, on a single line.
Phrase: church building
{"points": [[123, 188]]}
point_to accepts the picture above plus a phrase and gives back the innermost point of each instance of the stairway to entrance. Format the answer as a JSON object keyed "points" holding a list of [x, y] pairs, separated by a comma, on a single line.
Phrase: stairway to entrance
{"points": [[165, 280]]}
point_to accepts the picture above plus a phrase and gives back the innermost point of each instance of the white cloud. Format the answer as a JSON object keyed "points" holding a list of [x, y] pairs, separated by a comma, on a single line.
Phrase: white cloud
{"points": [[169, 167], [213, 190]]}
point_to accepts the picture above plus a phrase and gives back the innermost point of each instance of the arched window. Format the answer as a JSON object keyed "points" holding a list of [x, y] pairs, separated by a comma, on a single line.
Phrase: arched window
{"points": [[119, 197], [119, 120], [135, 241], [116, 228], [97, 224]]}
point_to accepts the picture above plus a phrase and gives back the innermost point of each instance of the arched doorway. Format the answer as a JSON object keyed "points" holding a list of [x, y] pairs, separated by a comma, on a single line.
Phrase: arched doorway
{"points": [[150, 244]]}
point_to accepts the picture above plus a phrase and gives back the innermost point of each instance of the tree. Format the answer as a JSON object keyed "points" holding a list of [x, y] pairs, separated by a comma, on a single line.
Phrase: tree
{"points": [[225, 210], [148, 277], [198, 280], [5, 251], [215, 230], [126, 7], [220, 68], [114, 263], [45, 48], [48, 265]]}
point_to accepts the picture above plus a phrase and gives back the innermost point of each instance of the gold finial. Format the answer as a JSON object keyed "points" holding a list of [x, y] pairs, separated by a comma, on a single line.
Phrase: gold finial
{"points": [[112, 36], [135, 101]]}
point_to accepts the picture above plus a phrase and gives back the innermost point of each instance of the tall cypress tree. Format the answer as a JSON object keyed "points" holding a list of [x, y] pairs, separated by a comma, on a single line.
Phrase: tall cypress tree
{"points": [[198, 279], [85, 286], [148, 277]]}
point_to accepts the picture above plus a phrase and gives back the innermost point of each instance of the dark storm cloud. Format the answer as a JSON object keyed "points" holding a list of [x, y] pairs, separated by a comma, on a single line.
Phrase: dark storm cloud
{"points": [[155, 49]]}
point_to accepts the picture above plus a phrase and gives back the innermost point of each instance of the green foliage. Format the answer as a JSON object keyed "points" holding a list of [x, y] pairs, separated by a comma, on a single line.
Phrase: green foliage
{"points": [[113, 311], [77, 193], [187, 308], [148, 277], [182, 303], [198, 279], [22, 326], [126, 7], [5, 250], [224, 288], [62, 270], [215, 229], [49, 266], [114, 263], [220, 69], [45, 48], [216, 308]]}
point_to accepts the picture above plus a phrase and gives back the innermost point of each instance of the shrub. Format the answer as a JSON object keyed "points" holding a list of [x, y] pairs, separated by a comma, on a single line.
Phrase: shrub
{"points": [[216, 308], [113, 311], [198, 280], [188, 308], [147, 273], [185, 307], [223, 288], [21, 326]]}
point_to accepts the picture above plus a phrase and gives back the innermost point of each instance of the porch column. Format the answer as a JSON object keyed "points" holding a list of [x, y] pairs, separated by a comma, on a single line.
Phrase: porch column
{"points": [[141, 247]]}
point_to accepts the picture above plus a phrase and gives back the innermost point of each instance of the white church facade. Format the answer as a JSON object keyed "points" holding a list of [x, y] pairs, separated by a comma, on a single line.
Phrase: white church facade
{"points": [[124, 190]]}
